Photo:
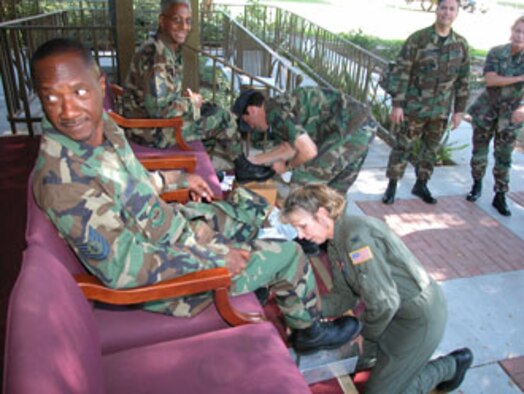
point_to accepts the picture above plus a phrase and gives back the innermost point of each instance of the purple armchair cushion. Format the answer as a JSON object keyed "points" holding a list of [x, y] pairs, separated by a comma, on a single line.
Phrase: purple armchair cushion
{"points": [[52, 343], [124, 328], [246, 359]]}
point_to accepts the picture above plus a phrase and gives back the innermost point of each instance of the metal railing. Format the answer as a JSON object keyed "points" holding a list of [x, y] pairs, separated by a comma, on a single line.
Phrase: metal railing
{"points": [[326, 57], [20, 38]]}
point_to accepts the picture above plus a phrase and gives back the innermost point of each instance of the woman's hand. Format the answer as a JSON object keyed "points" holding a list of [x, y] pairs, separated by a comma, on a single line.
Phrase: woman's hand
{"points": [[199, 189]]}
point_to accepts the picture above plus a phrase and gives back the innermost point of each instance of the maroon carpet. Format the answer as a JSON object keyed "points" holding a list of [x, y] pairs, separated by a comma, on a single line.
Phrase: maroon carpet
{"points": [[17, 157]]}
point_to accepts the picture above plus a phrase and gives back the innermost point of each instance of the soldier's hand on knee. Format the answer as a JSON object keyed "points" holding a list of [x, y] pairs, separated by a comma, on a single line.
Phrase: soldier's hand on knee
{"points": [[237, 260]]}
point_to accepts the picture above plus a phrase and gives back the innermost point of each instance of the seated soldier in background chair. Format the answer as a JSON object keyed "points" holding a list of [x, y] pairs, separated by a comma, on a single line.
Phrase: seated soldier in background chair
{"points": [[322, 135], [153, 89], [106, 206]]}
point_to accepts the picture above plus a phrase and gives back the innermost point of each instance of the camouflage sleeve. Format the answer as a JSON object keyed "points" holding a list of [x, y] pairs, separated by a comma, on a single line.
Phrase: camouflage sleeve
{"points": [[377, 287], [462, 82], [492, 62], [127, 243], [168, 180], [402, 75]]}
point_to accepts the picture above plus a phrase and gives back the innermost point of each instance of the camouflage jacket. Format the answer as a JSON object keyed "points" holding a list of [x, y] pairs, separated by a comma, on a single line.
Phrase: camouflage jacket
{"points": [[432, 75], [153, 87], [495, 104], [315, 111], [106, 206], [370, 262]]}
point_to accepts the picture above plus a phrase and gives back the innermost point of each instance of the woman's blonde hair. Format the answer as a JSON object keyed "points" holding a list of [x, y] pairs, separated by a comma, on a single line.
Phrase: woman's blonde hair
{"points": [[311, 197]]}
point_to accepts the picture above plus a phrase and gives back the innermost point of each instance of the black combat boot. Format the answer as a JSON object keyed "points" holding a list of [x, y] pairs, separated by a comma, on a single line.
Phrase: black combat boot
{"points": [[464, 359], [245, 171], [499, 202], [476, 191], [389, 196], [326, 335], [420, 189]]}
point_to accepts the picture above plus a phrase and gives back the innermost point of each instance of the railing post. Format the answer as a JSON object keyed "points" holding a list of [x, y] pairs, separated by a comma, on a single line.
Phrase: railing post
{"points": [[191, 78], [123, 18]]}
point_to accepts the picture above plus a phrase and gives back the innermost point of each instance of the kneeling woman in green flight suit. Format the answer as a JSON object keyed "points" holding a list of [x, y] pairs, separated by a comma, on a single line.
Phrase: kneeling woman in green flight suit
{"points": [[405, 309]]}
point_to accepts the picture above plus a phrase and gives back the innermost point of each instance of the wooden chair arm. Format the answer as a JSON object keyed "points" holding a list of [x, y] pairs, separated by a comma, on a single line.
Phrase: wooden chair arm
{"points": [[217, 280], [181, 196], [175, 123], [183, 162]]}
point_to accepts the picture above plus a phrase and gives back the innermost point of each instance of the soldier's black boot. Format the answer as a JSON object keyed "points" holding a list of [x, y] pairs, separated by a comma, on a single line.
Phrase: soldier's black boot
{"points": [[420, 189], [499, 202], [463, 359], [245, 171], [476, 191], [326, 335], [389, 195]]}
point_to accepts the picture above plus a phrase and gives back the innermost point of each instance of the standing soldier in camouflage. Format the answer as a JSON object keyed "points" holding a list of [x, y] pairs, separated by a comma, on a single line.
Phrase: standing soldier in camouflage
{"points": [[321, 134], [107, 207], [495, 113], [153, 89], [406, 311], [431, 76]]}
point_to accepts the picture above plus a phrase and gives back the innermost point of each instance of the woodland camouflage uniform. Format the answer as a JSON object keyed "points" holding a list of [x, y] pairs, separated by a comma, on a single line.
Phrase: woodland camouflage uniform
{"points": [[106, 206], [430, 76], [341, 127], [491, 117], [154, 89]]}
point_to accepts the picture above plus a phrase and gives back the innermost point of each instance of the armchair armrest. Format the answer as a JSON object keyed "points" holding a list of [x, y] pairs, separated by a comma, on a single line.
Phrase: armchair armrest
{"points": [[175, 123], [217, 280]]}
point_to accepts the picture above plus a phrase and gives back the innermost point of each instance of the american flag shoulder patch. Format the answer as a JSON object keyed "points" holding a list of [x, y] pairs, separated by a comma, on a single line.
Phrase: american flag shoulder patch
{"points": [[361, 255]]}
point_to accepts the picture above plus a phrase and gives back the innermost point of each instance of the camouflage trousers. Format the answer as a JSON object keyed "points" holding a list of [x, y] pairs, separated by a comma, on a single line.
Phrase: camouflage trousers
{"points": [[216, 127], [504, 144], [339, 159], [429, 132], [280, 265]]}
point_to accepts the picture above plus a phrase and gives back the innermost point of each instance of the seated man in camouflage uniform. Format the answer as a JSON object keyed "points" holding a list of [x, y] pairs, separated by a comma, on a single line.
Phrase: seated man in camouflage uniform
{"points": [[153, 89], [322, 135], [107, 207]]}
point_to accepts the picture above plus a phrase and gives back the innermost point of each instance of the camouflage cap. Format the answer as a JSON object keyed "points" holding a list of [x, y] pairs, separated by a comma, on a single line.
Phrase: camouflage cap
{"points": [[239, 107]]}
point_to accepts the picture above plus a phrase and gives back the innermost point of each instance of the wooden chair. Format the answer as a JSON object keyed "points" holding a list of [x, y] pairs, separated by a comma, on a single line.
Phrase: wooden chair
{"points": [[116, 92]]}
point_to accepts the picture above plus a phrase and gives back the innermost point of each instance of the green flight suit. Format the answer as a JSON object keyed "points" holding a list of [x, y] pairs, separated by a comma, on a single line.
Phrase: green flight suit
{"points": [[491, 117], [405, 310], [431, 76], [341, 127], [106, 206]]}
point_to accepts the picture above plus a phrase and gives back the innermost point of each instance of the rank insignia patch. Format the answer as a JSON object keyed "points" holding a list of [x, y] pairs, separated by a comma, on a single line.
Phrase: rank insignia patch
{"points": [[361, 255]]}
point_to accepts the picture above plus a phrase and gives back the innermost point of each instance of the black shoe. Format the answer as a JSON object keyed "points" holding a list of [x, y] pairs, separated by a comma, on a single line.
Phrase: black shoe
{"points": [[326, 335], [476, 191], [310, 248], [245, 171], [420, 189], [499, 202], [464, 359], [389, 195]]}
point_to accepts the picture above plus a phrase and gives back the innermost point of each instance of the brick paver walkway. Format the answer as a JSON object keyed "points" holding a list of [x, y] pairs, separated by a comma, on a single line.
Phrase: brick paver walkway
{"points": [[518, 197], [515, 368], [452, 239]]}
